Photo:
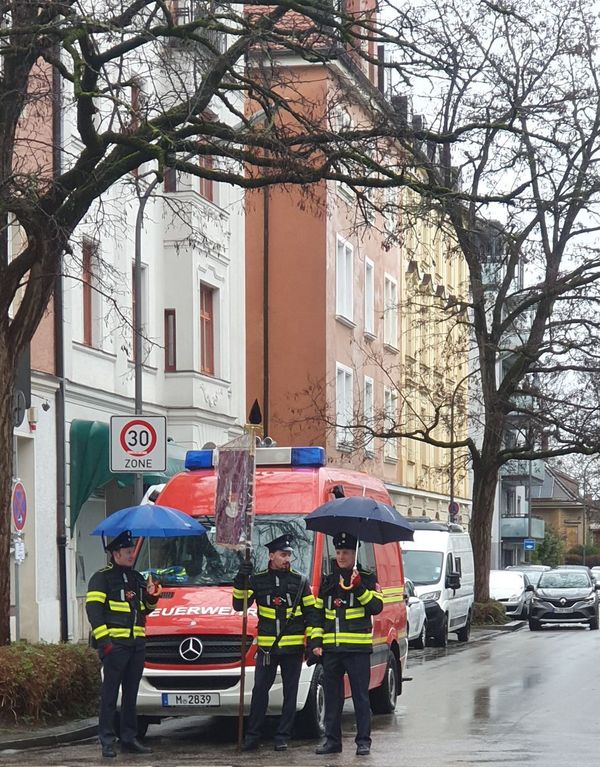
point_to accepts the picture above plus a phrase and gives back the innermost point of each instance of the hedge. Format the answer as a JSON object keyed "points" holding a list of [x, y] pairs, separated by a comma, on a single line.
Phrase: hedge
{"points": [[489, 613], [40, 682]]}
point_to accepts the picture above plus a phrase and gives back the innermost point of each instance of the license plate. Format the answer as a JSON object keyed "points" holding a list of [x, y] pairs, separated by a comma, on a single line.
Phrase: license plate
{"points": [[191, 699], [563, 609]]}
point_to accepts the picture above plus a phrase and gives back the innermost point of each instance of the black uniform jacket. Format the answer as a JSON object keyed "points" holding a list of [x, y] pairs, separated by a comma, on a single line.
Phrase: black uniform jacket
{"points": [[117, 603], [343, 622], [275, 592]]}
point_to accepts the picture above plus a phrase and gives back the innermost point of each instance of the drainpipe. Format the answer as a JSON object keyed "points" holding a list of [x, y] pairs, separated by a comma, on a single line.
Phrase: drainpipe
{"points": [[59, 367], [265, 408]]}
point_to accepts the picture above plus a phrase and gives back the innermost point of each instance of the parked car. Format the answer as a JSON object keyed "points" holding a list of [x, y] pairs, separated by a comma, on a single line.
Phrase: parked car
{"points": [[533, 572], [565, 595], [509, 587], [596, 573], [417, 618]]}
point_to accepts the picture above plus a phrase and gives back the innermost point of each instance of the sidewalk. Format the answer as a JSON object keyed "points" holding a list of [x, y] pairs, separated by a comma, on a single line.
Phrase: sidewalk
{"points": [[68, 732]]}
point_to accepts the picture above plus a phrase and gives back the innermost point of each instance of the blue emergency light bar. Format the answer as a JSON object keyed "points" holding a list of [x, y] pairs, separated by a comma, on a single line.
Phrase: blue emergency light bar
{"points": [[265, 456]]}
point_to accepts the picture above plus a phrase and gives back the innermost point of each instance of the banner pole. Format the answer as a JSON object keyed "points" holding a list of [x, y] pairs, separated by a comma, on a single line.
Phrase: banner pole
{"points": [[254, 431]]}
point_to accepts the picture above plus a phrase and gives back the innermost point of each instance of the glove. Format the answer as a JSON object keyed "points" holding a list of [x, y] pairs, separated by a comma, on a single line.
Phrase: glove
{"points": [[105, 649], [246, 568], [355, 580]]}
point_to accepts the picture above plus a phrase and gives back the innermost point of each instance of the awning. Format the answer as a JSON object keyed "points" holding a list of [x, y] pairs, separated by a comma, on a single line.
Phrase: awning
{"points": [[90, 464]]}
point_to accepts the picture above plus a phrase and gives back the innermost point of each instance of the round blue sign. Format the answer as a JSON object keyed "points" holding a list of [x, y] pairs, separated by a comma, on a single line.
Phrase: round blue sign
{"points": [[19, 505]]}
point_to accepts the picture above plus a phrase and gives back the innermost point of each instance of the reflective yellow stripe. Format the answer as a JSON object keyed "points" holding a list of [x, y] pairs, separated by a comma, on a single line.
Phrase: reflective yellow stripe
{"points": [[309, 631], [139, 631], [308, 600], [266, 612], [392, 600], [120, 633], [365, 598], [319, 603], [355, 612], [329, 615], [95, 596], [239, 593], [119, 607], [100, 631], [317, 632], [347, 638], [297, 612], [393, 592], [291, 640]]}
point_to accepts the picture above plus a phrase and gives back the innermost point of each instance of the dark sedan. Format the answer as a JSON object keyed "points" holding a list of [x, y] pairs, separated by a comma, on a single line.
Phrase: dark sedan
{"points": [[564, 596]]}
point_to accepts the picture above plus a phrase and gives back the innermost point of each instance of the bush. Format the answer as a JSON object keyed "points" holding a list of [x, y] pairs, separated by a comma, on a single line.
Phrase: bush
{"points": [[489, 613], [47, 681]]}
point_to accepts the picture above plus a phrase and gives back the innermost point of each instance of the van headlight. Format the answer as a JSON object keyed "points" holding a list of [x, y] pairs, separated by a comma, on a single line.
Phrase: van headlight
{"points": [[431, 596]]}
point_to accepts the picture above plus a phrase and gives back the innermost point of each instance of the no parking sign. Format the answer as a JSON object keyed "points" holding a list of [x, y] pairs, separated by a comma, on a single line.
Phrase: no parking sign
{"points": [[19, 505]]}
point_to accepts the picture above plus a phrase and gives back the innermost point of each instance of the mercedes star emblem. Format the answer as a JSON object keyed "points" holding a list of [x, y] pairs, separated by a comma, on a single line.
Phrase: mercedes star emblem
{"points": [[191, 649]]}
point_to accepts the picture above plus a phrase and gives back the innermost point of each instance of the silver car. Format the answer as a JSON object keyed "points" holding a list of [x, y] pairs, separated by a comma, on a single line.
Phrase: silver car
{"points": [[509, 587]]}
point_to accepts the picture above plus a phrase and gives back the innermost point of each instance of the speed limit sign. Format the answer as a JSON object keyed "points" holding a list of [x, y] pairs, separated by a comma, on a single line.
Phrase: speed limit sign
{"points": [[138, 443]]}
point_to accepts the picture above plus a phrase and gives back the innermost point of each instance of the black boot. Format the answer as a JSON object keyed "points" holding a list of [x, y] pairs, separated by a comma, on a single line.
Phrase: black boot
{"points": [[135, 747], [108, 751]]}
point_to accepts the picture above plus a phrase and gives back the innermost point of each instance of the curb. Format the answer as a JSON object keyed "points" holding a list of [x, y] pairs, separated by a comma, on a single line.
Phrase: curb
{"points": [[83, 732], [510, 626]]}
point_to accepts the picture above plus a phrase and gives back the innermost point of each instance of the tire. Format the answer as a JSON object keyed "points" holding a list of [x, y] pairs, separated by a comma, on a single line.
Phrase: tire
{"points": [[594, 623], [441, 638], [310, 722], [534, 625], [383, 698], [420, 643], [464, 633]]}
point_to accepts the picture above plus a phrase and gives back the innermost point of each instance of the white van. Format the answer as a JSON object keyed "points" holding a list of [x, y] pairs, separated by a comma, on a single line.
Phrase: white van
{"points": [[439, 561]]}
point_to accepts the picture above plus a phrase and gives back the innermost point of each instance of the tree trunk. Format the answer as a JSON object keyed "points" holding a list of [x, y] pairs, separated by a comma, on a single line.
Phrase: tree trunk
{"points": [[485, 480], [7, 374]]}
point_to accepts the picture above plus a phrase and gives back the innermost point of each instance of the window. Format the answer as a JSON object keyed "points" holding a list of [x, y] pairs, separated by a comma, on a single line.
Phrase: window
{"points": [[369, 297], [390, 412], [343, 406], [390, 323], [206, 184], [207, 329], [344, 259], [170, 341], [368, 411], [144, 308], [89, 256]]}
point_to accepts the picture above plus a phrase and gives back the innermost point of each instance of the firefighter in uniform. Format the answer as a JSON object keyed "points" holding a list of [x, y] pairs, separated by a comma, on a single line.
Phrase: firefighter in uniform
{"points": [[343, 639], [117, 602], [285, 606]]}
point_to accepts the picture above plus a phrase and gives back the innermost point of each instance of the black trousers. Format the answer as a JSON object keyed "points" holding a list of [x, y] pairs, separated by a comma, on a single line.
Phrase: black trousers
{"points": [[358, 667], [122, 667], [264, 676]]}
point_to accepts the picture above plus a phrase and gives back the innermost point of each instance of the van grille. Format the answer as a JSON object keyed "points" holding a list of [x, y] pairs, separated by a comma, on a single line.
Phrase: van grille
{"points": [[201, 683], [216, 649]]}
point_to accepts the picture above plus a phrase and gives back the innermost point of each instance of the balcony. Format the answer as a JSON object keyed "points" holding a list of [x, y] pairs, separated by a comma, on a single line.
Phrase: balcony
{"points": [[518, 527], [517, 472]]}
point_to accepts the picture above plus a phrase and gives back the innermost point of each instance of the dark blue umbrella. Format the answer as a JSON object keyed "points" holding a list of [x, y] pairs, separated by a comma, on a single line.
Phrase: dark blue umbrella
{"points": [[364, 518], [150, 521]]}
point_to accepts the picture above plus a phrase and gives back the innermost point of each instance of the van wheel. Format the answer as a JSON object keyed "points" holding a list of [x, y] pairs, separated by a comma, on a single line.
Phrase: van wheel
{"points": [[143, 723], [383, 698], [464, 633], [421, 641], [594, 623], [310, 722], [441, 638]]}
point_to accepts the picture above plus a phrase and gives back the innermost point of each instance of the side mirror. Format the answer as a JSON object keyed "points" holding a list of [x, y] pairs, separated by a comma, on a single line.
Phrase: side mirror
{"points": [[530, 587], [597, 586], [453, 581]]}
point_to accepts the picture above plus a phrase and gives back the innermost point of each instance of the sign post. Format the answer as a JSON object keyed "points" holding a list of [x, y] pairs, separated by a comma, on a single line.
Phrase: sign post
{"points": [[138, 443]]}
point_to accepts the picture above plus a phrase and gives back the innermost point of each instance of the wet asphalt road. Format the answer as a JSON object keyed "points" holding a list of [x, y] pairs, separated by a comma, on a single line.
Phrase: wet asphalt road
{"points": [[518, 699]]}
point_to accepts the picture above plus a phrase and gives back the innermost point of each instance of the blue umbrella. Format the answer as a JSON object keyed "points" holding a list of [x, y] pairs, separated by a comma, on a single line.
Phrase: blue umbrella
{"points": [[364, 518], [150, 521]]}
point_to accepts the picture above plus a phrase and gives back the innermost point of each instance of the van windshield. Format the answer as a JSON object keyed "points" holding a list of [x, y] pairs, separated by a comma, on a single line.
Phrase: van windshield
{"points": [[423, 567], [199, 561]]}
